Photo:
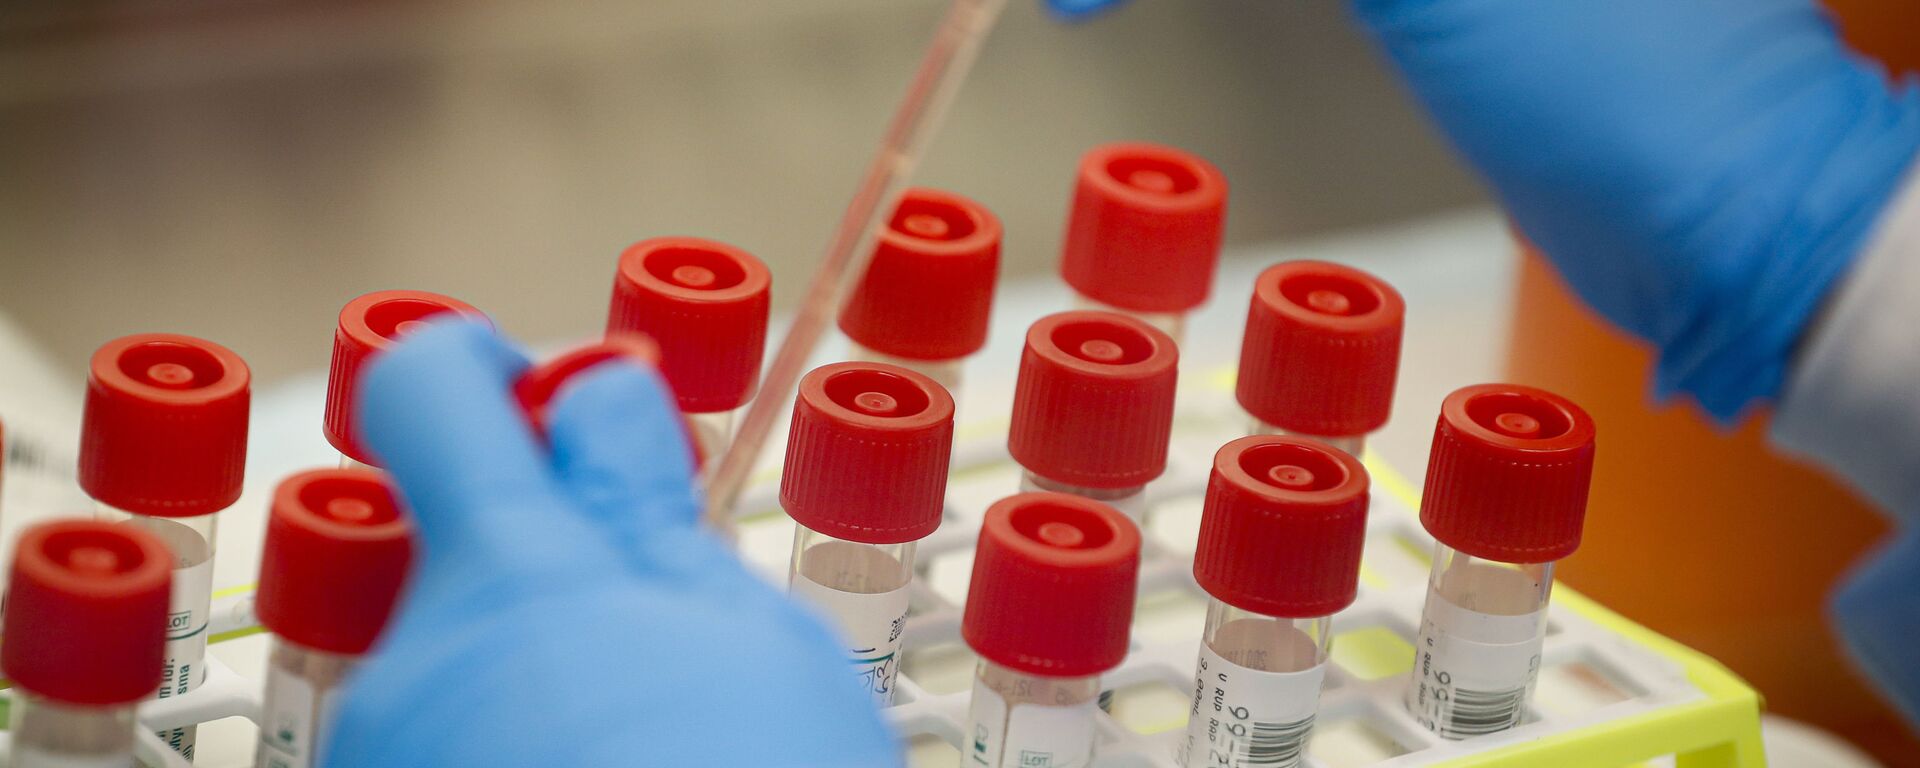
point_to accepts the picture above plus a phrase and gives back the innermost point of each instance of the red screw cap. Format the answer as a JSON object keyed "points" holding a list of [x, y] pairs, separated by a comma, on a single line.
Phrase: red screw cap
{"points": [[1053, 583], [370, 324], [1507, 480], [1321, 350], [929, 289], [867, 455], [705, 304], [1145, 228], [1284, 522], [1093, 405], [87, 612], [335, 557], [165, 427], [537, 388]]}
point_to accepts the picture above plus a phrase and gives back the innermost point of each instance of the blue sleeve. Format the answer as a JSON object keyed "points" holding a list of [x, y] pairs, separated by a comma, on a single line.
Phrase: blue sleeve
{"points": [[1852, 404], [1852, 401]]}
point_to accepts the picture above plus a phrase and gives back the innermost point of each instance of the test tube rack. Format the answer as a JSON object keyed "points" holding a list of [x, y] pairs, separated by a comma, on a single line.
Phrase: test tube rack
{"points": [[1611, 693]]}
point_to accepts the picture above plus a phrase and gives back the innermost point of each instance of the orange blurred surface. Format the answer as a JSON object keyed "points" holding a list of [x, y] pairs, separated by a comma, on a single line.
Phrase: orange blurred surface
{"points": [[1888, 30]]}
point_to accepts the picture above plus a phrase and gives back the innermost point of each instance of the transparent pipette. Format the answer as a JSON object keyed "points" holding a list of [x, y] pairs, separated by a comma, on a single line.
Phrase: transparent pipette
{"points": [[942, 69]]}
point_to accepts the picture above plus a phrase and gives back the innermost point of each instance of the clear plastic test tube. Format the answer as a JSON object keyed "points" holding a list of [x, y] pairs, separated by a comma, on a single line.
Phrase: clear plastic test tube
{"points": [[369, 325], [336, 554], [865, 479], [1049, 609], [1144, 233], [1093, 407], [927, 295], [1505, 498], [85, 633], [1279, 554], [705, 304], [1320, 354], [163, 448]]}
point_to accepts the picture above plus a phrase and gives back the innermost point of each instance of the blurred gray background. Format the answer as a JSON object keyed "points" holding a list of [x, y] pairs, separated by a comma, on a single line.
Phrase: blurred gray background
{"points": [[239, 169]]}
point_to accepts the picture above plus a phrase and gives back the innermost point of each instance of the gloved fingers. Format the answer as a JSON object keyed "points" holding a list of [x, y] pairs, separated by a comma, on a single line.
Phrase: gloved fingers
{"points": [[1076, 10], [620, 448], [438, 411], [692, 556], [803, 706], [618, 670]]}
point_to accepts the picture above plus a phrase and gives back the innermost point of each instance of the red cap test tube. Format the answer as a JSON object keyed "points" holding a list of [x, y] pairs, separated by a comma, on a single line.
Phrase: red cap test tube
{"points": [[1093, 407], [1049, 609], [336, 554], [163, 448], [86, 626], [1505, 498], [705, 304], [1279, 553], [1144, 232], [928, 292], [1320, 354], [369, 325], [865, 479]]}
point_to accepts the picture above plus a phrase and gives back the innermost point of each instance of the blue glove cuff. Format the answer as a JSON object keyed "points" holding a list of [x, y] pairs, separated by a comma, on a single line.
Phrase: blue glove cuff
{"points": [[1879, 619], [1736, 348], [1701, 172]]}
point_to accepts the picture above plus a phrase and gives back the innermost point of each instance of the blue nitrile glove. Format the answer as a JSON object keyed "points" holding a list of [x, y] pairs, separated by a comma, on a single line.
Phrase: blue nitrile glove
{"points": [[567, 610], [1700, 171]]}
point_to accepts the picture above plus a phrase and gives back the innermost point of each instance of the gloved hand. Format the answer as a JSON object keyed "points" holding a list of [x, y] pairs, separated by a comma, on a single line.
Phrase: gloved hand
{"points": [[567, 610], [1700, 171]]}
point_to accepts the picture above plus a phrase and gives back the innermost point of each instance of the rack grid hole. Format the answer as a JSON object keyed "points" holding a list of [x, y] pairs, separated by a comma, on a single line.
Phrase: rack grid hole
{"points": [[1393, 562], [926, 750], [940, 669], [1168, 615], [1151, 707], [1175, 522], [1351, 741], [1577, 687], [949, 574], [1371, 653]]}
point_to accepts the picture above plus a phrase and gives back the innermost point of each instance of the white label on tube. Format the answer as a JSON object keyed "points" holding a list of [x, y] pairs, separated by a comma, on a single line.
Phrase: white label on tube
{"points": [[870, 625], [294, 718], [1472, 670], [1248, 718], [1028, 735], [188, 610], [30, 757]]}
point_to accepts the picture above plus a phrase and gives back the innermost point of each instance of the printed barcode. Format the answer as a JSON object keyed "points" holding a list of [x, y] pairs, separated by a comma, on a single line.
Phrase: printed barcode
{"points": [[1476, 713], [1276, 745]]}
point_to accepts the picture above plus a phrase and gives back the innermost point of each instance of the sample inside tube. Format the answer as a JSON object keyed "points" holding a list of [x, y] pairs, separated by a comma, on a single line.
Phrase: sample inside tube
{"points": [[853, 567]]}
